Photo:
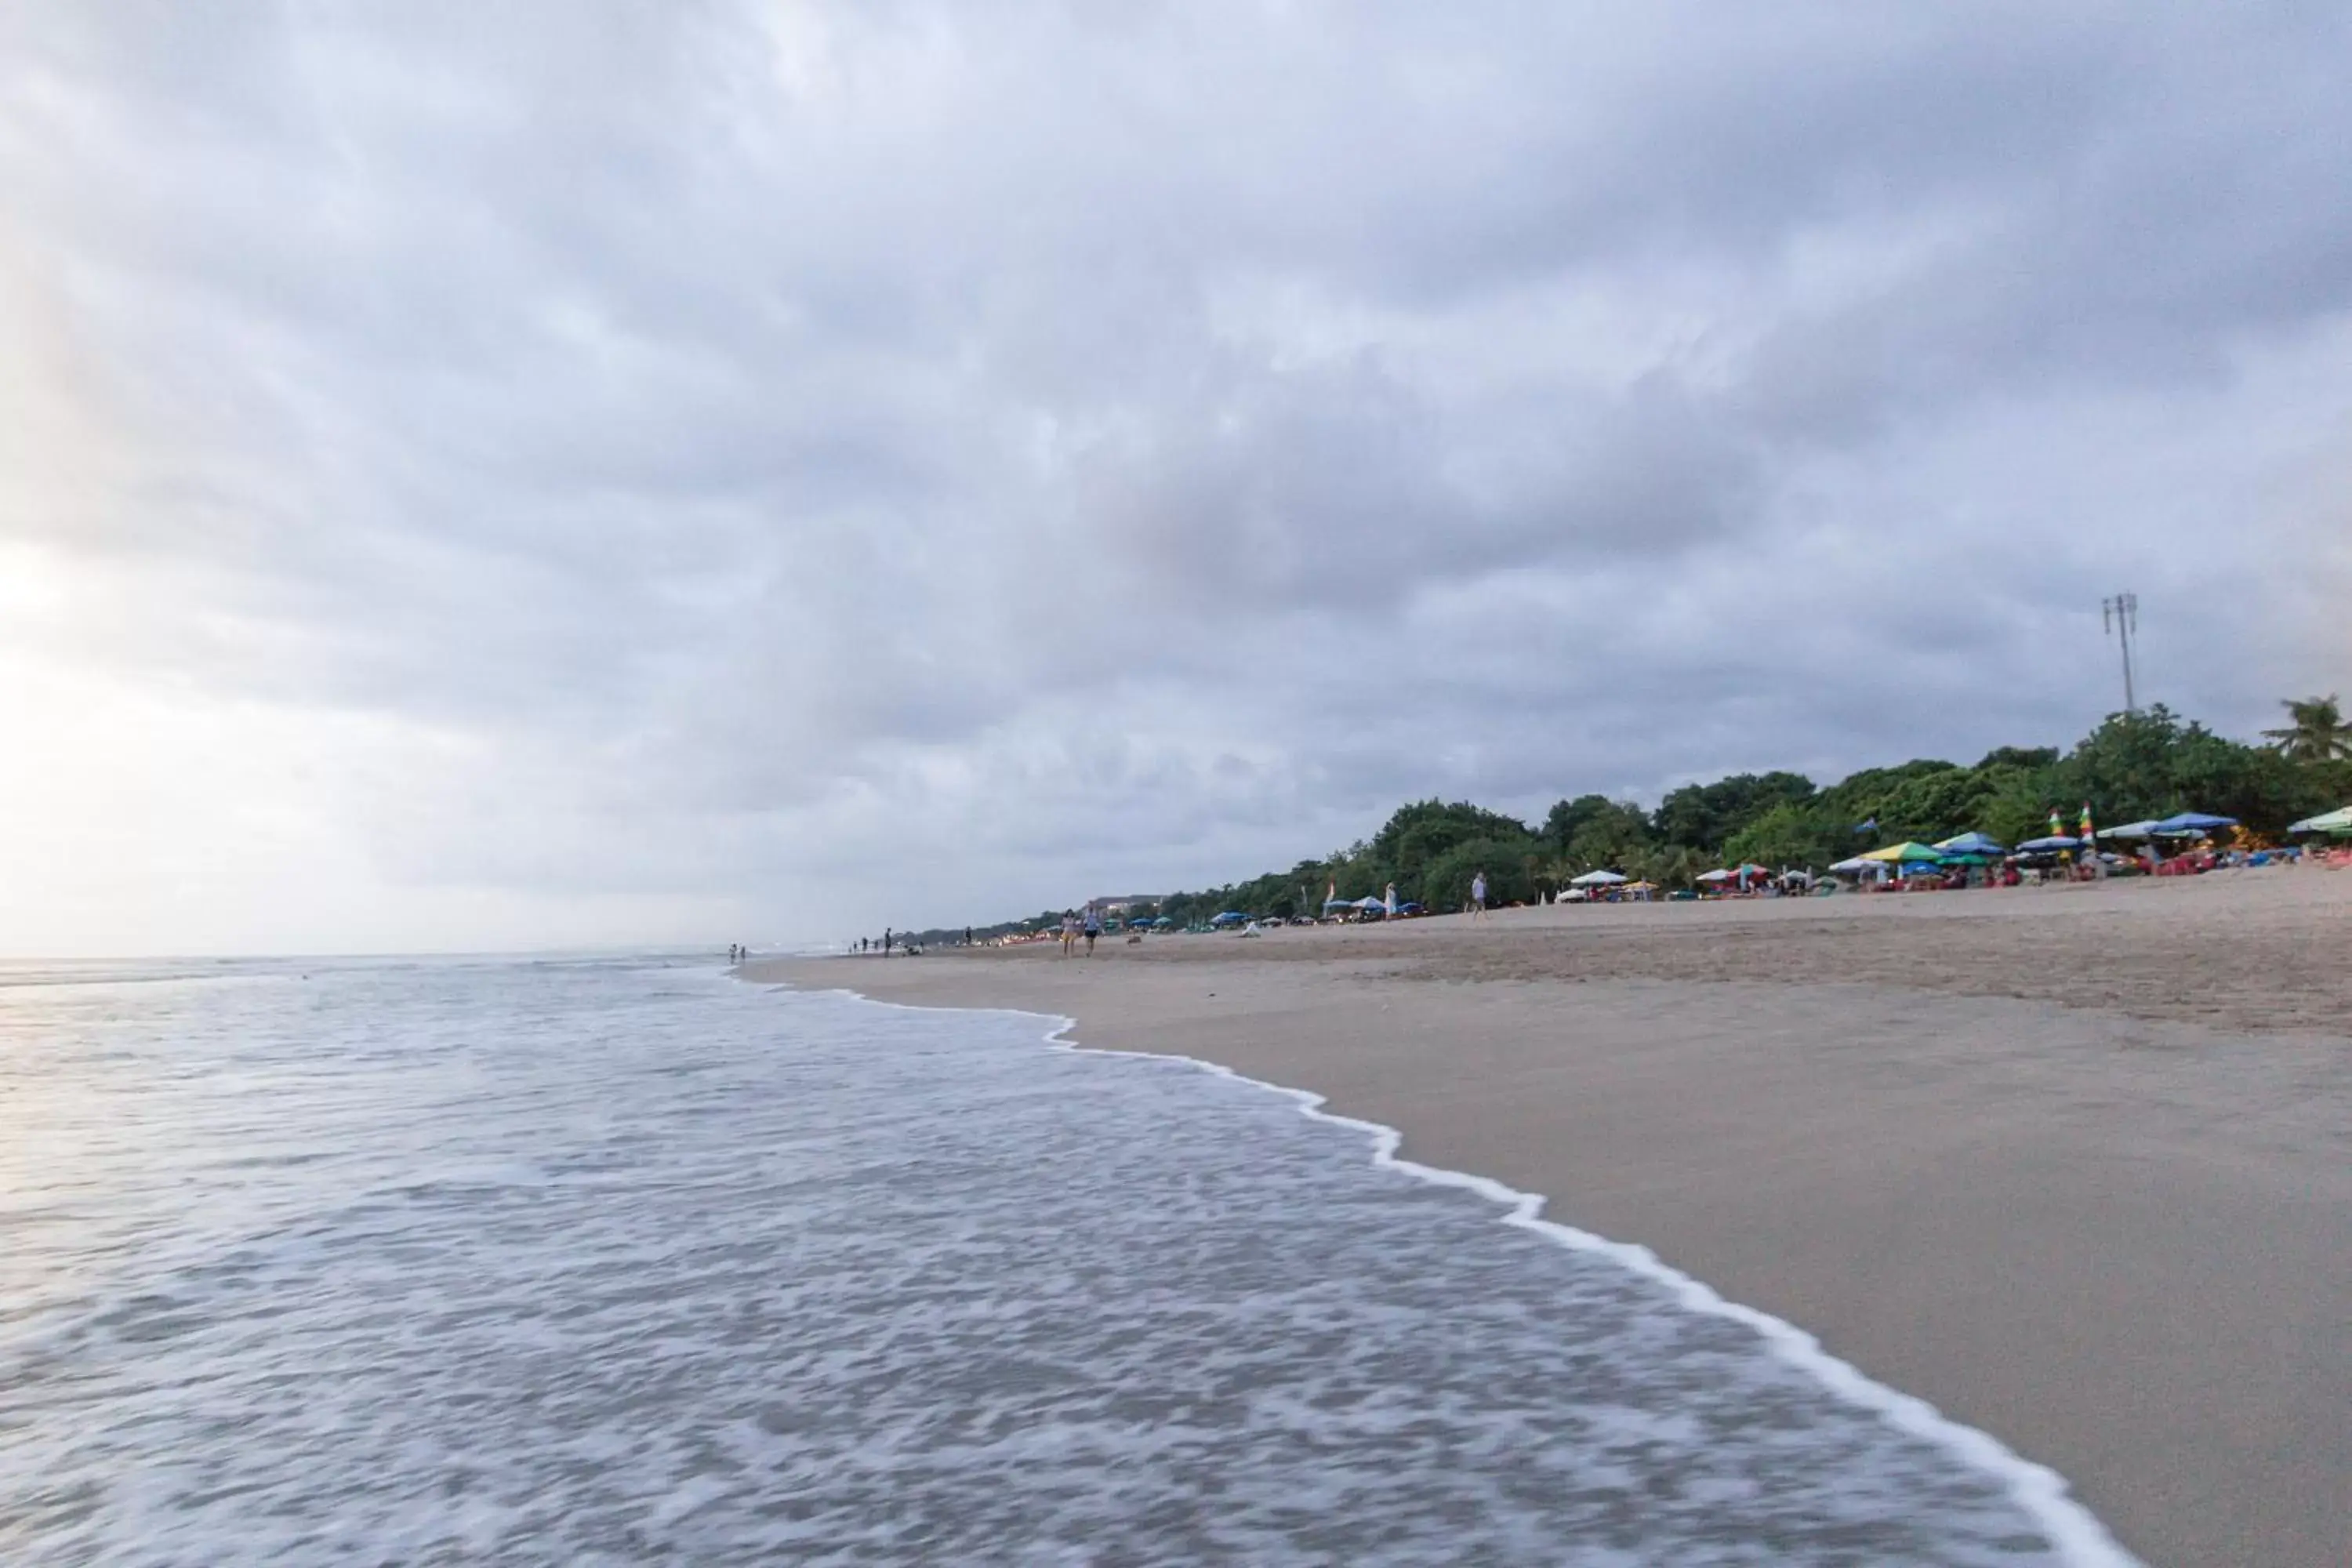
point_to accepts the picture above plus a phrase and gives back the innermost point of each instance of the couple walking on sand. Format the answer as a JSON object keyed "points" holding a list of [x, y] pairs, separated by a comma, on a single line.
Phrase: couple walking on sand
{"points": [[1075, 926]]}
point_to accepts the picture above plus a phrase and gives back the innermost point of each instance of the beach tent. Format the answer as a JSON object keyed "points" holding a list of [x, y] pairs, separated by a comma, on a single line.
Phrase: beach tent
{"points": [[1331, 904], [1971, 844], [1597, 880], [2192, 824], [1904, 854], [2049, 846], [2336, 821]]}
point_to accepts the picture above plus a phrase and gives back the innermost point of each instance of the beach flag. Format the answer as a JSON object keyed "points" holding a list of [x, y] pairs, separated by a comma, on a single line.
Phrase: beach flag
{"points": [[2085, 834], [1331, 893], [2057, 826]]}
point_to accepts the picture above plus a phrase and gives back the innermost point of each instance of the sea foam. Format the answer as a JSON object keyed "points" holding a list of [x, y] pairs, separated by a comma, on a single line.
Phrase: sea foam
{"points": [[606, 1262]]}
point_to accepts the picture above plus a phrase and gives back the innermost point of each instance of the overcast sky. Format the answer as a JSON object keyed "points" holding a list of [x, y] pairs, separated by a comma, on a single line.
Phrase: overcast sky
{"points": [[511, 474]]}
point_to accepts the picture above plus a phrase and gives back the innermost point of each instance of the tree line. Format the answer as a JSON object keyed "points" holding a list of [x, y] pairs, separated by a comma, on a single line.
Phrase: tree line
{"points": [[2145, 763]]}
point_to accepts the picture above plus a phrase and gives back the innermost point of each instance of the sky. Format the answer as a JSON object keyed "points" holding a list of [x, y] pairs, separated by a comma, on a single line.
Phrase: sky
{"points": [[575, 473]]}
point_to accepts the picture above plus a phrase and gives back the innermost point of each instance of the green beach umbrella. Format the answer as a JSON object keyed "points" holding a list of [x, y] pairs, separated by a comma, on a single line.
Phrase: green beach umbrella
{"points": [[1902, 853]]}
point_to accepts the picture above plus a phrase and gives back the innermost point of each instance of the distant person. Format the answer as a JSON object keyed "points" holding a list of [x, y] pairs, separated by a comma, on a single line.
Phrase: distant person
{"points": [[1387, 901], [967, 936], [1069, 931], [1093, 928], [888, 938], [1478, 896]]}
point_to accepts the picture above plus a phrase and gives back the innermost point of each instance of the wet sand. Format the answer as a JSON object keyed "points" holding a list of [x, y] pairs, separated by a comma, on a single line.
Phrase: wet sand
{"points": [[2074, 1164]]}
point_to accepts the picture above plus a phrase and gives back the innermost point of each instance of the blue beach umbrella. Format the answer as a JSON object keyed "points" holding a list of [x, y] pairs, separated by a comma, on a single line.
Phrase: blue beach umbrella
{"points": [[2189, 823], [1972, 843]]}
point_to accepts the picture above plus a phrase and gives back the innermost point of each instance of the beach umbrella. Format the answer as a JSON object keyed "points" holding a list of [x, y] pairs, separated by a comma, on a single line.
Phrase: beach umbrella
{"points": [[1596, 879], [1904, 854], [1971, 844], [2191, 823], [1718, 875], [1854, 866], [2130, 829], [2336, 821], [2048, 846], [1230, 917]]}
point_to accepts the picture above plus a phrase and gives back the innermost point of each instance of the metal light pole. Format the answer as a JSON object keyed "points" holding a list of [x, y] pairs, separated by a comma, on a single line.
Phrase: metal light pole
{"points": [[2120, 616]]}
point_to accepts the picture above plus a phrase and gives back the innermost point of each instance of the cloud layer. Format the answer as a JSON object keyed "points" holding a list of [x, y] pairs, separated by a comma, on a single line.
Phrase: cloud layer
{"points": [[621, 471]]}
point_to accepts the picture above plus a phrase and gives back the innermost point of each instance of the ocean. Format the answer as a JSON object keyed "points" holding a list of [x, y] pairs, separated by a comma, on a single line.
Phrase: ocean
{"points": [[601, 1261]]}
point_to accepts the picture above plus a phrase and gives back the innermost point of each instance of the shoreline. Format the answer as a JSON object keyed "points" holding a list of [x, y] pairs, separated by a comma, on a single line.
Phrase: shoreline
{"points": [[2106, 1233], [2040, 1493]]}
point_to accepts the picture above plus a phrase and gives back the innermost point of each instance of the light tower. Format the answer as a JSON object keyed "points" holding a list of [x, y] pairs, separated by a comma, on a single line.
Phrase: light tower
{"points": [[2120, 616]]}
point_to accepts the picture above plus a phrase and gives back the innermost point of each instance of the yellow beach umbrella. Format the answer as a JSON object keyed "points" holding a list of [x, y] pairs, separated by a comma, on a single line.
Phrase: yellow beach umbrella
{"points": [[1897, 854]]}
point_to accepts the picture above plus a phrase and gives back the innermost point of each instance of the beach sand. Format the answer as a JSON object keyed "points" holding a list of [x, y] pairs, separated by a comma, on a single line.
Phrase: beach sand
{"points": [[2074, 1164]]}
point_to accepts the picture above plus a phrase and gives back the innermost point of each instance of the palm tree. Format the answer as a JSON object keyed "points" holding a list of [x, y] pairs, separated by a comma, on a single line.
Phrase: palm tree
{"points": [[2317, 733]]}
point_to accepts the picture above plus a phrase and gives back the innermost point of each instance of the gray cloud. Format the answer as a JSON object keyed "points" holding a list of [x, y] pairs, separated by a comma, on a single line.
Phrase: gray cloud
{"points": [[901, 460]]}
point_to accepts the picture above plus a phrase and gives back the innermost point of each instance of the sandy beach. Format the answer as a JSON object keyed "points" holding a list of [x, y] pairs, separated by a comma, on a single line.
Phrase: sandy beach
{"points": [[2074, 1164]]}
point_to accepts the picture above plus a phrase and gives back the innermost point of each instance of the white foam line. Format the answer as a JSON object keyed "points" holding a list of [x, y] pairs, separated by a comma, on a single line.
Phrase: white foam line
{"points": [[2076, 1533]]}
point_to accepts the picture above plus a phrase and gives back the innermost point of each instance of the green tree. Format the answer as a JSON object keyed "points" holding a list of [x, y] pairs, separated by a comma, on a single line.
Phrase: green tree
{"points": [[2316, 731], [1609, 836], [1791, 834], [1421, 833], [1567, 817], [1872, 794], [1702, 816], [1510, 864]]}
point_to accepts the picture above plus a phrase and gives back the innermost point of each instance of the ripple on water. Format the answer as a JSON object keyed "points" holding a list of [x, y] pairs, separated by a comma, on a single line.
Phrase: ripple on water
{"points": [[598, 1264]]}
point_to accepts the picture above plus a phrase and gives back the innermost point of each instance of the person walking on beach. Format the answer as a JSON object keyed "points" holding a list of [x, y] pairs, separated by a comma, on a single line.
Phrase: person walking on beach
{"points": [[1388, 902], [1093, 927], [1069, 931], [1478, 896], [888, 936]]}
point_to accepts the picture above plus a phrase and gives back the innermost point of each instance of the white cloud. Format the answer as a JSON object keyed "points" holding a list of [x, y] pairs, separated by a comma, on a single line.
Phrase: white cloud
{"points": [[628, 472]]}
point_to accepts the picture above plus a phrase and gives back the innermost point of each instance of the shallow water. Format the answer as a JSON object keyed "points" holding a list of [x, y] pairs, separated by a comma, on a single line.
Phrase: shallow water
{"points": [[597, 1262]]}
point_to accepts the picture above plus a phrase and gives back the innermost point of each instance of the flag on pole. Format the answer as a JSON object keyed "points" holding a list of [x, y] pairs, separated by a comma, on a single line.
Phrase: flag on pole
{"points": [[2057, 826], [2086, 835]]}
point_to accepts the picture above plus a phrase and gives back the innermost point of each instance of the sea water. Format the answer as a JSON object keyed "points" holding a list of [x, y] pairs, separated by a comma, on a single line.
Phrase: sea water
{"points": [[604, 1262]]}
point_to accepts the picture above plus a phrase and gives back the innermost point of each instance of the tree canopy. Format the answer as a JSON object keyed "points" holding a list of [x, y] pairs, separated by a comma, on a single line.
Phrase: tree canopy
{"points": [[2144, 763]]}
